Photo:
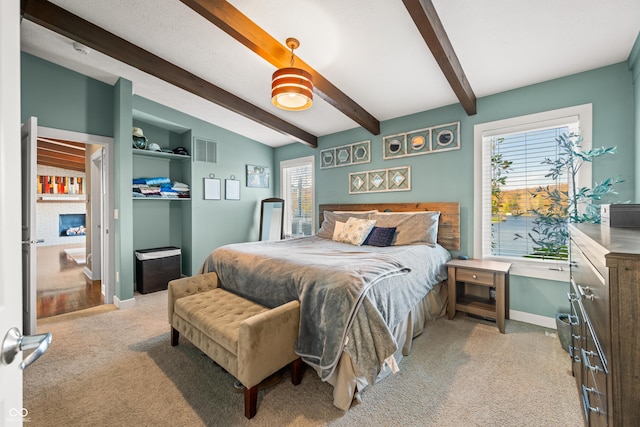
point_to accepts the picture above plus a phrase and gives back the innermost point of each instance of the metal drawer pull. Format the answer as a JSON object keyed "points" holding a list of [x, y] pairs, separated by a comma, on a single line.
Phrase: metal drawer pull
{"points": [[475, 276], [572, 297], [572, 356], [573, 320], [587, 364], [587, 404], [585, 292]]}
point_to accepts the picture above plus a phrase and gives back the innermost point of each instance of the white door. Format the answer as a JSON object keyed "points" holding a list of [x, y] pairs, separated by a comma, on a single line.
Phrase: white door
{"points": [[96, 215], [11, 409], [29, 271]]}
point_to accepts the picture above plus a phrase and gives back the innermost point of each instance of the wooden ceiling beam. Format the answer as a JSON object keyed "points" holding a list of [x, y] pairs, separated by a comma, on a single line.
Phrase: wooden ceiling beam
{"points": [[74, 166], [60, 156], [52, 147], [72, 26], [233, 22], [426, 19]]}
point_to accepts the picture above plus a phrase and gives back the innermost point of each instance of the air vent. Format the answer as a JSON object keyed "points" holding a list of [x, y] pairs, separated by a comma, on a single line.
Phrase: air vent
{"points": [[204, 150]]}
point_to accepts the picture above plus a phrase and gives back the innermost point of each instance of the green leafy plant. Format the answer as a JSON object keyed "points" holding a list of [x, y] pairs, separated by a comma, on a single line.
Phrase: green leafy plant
{"points": [[573, 204]]}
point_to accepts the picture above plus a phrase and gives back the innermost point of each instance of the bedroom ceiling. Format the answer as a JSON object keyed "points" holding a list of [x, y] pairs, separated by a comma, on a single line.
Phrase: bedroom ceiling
{"points": [[370, 51]]}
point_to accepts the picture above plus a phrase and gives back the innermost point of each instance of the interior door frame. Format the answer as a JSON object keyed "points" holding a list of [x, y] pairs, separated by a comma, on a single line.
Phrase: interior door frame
{"points": [[97, 217], [108, 226]]}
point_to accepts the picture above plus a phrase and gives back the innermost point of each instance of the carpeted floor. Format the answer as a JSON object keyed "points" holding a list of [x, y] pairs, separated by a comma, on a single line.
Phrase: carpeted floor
{"points": [[110, 367]]}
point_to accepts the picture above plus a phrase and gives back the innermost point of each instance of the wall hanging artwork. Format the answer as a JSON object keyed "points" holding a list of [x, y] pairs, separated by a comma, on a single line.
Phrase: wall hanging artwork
{"points": [[430, 140], [212, 188], [232, 188], [345, 155], [258, 176], [392, 179]]}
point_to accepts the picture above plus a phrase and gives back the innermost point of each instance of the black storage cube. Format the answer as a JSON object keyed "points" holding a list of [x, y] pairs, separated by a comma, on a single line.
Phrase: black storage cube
{"points": [[156, 267]]}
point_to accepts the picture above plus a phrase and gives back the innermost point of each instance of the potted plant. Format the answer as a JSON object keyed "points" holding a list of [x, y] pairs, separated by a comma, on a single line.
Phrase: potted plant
{"points": [[575, 204]]}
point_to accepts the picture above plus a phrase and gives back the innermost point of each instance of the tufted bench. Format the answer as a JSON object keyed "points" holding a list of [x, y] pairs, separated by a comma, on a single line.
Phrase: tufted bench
{"points": [[248, 340]]}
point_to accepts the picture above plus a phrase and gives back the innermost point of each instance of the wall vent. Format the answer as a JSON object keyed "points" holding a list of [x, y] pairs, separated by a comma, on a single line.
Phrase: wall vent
{"points": [[205, 150]]}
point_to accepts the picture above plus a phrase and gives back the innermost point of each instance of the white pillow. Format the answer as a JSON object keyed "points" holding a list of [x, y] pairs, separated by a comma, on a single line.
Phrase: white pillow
{"points": [[355, 231], [330, 218], [337, 229]]}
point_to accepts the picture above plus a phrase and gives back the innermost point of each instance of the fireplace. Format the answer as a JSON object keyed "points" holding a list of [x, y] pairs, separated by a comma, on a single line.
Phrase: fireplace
{"points": [[72, 225]]}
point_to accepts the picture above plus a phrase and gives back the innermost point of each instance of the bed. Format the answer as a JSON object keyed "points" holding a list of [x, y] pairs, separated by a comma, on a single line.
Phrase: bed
{"points": [[361, 304]]}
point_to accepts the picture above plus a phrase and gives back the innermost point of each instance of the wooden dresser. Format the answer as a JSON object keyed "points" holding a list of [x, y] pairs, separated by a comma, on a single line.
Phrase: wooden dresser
{"points": [[605, 319]]}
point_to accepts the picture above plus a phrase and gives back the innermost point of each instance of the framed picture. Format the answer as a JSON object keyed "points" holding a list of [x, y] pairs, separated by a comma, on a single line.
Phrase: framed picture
{"points": [[211, 189], [232, 189], [258, 176]]}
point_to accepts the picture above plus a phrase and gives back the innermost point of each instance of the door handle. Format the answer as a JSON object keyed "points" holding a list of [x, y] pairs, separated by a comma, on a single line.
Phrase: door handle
{"points": [[14, 343], [28, 242]]}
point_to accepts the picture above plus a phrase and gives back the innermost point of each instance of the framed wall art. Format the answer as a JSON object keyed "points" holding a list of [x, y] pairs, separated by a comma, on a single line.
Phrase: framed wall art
{"points": [[422, 141], [232, 188], [392, 179], [346, 155], [258, 176], [212, 189]]}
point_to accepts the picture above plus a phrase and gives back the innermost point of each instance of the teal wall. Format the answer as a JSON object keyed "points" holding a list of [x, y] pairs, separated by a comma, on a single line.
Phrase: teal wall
{"points": [[448, 176], [634, 66], [63, 99]]}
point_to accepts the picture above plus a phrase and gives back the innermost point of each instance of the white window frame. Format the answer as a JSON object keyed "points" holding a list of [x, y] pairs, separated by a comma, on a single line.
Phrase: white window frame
{"points": [[298, 162], [541, 269]]}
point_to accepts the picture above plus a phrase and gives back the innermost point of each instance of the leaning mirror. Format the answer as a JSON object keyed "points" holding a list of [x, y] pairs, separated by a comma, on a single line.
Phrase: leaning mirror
{"points": [[271, 219]]}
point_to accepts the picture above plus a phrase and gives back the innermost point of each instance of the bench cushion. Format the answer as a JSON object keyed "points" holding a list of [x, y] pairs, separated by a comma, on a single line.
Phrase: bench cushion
{"points": [[218, 313]]}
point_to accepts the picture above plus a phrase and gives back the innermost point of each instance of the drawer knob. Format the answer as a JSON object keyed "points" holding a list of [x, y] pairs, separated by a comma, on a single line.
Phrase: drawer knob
{"points": [[475, 276], [585, 292]]}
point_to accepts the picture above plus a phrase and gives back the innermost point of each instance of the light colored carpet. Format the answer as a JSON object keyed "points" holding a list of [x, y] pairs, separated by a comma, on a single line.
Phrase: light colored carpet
{"points": [[111, 367]]}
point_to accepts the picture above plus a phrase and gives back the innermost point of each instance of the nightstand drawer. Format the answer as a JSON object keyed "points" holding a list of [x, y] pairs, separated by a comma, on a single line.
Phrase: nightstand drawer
{"points": [[475, 276]]}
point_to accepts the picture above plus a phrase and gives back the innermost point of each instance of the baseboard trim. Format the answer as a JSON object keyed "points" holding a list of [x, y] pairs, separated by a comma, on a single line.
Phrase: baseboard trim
{"points": [[124, 304], [88, 273], [534, 319]]}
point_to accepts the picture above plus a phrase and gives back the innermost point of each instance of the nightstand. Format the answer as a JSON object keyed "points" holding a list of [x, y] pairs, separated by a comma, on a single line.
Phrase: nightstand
{"points": [[470, 283]]}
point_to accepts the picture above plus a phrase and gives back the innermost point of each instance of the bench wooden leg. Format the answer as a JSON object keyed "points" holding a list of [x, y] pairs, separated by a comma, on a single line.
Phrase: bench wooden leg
{"points": [[174, 337], [250, 401], [297, 370]]}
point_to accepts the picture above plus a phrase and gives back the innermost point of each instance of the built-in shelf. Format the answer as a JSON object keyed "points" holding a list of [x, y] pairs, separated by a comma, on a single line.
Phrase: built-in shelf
{"points": [[164, 199], [160, 155]]}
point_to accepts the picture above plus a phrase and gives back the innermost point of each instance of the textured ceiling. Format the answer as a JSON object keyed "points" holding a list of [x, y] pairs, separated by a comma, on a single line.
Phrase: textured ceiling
{"points": [[370, 49]]}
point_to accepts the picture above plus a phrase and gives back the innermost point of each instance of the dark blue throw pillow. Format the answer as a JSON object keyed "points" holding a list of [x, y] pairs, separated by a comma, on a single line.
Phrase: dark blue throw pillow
{"points": [[380, 236]]}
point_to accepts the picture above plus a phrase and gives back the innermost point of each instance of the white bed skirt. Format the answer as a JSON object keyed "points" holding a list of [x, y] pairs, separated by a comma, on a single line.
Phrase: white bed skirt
{"points": [[348, 383]]}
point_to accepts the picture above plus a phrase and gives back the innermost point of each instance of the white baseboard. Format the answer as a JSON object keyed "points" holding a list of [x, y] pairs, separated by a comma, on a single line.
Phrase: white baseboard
{"points": [[88, 273], [534, 319], [124, 304]]}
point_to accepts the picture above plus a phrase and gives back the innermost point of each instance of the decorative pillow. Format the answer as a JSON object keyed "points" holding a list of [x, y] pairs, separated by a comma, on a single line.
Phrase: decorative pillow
{"points": [[355, 231], [380, 236], [330, 218], [337, 229], [412, 228]]}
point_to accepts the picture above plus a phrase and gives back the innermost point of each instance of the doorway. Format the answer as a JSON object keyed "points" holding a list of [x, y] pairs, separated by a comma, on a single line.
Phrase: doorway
{"points": [[72, 261]]}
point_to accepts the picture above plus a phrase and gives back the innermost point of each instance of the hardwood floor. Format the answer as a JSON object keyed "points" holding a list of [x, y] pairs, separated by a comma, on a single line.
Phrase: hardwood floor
{"points": [[62, 285]]}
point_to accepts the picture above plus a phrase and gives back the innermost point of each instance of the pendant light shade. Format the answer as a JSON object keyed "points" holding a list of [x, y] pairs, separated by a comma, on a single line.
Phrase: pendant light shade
{"points": [[292, 88]]}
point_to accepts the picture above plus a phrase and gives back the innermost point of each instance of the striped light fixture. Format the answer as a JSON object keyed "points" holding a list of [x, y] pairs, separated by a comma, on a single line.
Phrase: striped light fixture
{"points": [[292, 88]]}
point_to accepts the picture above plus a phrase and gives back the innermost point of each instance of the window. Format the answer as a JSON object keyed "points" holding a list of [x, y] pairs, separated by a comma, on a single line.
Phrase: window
{"points": [[513, 210], [297, 190]]}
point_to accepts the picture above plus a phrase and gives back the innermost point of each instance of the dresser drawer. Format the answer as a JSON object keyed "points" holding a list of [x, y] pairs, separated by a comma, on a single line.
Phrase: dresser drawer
{"points": [[475, 276], [594, 294], [595, 377]]}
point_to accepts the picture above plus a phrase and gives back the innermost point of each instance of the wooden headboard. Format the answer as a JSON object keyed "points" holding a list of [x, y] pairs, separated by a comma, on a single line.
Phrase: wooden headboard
{"points": [[448, 225]]}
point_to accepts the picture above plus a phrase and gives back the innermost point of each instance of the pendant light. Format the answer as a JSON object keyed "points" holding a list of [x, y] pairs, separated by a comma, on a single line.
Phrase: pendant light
{"points": [[292, 88]]}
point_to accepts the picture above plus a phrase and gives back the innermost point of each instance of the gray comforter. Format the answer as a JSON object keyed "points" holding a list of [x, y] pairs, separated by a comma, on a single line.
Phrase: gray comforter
{"points": [[350, 296]]}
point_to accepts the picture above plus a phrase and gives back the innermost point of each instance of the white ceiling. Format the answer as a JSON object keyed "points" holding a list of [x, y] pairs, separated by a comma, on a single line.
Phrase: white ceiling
{"points": [[370, 49]]}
